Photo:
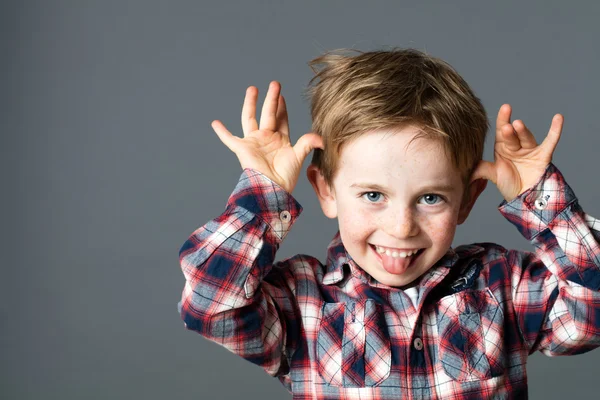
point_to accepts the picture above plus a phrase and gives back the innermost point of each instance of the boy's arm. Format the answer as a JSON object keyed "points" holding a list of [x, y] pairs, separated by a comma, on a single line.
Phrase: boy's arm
{"points": [[556, 290], [224, 262], [234, 295]]}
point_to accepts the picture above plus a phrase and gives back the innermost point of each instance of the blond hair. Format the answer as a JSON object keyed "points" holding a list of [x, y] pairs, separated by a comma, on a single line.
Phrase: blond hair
{"points": [[350, 95]]}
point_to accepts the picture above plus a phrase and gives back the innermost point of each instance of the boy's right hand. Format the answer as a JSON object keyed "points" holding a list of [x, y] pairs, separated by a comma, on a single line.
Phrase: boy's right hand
{"points": [[267, 148]]}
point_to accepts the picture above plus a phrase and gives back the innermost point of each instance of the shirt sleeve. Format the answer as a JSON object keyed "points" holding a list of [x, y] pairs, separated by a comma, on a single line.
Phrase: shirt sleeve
{"points": [[555, 289], [227, 296]]}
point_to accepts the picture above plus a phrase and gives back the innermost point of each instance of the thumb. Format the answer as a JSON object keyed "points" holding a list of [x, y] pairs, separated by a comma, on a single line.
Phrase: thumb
{"points": [[484, 170], [306, 143], [226, 137]]}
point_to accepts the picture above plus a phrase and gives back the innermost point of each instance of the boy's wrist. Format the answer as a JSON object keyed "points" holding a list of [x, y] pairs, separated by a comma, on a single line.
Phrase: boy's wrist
{"points": [[266, 199], [535, 209]]}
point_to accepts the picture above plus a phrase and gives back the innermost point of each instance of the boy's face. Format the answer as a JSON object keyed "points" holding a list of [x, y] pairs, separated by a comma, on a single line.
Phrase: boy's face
{"points": [[396, 198]]}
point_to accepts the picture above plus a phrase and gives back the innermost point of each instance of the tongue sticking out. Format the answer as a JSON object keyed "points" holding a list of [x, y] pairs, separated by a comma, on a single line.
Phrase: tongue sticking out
{"points": [[397, 265]]}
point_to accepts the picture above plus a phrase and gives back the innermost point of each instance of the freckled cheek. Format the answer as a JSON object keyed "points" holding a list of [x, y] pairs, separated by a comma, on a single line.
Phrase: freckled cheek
{"points": [[356, 224], [440, 229]]}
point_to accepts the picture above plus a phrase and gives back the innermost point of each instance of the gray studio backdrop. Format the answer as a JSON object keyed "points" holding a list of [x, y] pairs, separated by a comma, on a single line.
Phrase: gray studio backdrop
{"points": [[109, 163]]}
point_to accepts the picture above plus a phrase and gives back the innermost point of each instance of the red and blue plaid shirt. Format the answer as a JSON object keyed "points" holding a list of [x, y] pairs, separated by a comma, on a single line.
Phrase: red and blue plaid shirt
{"points": [[330, 331]]}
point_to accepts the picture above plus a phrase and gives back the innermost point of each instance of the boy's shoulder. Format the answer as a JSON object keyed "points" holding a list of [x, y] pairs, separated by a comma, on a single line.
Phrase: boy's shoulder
{"points": [[489, 255], [483, 250], [489, 252]]}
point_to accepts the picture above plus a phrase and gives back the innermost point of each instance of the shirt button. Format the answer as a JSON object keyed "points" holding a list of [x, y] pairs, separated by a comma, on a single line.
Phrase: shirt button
{"points": [[540, 203], [285, 216], [418, 343]]}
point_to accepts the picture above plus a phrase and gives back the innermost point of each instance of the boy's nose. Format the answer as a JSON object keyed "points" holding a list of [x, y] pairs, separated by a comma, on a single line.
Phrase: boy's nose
{"points": [[403, 225]]}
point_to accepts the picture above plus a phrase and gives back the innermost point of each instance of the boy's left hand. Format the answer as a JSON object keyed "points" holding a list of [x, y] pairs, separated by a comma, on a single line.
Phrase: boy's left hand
{"points": [[518, 160]]}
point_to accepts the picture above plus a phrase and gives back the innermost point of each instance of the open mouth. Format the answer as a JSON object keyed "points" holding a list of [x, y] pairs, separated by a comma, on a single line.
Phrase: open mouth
{"points": [[414, 255], [412, 258]]}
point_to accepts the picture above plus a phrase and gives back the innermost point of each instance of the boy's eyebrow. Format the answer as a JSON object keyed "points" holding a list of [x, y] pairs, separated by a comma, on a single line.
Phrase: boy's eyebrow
{"points": [[373, 186], [442, 187]]}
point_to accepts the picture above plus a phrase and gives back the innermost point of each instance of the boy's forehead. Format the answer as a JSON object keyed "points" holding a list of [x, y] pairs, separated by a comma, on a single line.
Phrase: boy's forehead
{"points": [[408, 139], [401, 149], [383, 152]]}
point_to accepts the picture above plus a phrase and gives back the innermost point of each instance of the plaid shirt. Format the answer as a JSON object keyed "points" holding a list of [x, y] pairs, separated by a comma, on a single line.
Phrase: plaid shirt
{"points": [[333, 332]]}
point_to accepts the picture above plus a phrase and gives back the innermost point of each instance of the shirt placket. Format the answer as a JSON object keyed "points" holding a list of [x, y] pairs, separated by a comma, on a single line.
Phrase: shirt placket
{"points": [[418, 366], [418, 363]]}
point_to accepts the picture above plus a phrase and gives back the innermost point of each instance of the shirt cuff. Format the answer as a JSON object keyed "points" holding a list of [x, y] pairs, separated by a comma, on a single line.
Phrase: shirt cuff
{"points": [[264, 198], [534, 209]]}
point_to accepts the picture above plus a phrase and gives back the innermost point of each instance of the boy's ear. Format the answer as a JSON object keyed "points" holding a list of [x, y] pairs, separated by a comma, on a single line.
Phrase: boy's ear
{"points": [[475, 189], [324, 193]]}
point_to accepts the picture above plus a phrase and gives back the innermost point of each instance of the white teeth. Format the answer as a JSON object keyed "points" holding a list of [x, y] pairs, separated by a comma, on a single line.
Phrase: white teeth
{"points": [[394, 254]]}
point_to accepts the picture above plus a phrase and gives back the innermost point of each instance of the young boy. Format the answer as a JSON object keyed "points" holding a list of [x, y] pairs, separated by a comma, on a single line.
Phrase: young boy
{"points": [[395, 312]]}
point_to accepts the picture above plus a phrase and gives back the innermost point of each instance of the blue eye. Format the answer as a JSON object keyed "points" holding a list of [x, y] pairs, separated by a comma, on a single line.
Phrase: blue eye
{"points": [[431, 196], [377, 194]]}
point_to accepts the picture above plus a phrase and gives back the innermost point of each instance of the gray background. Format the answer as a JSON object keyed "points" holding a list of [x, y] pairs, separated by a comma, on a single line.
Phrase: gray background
{"points": [[109, 163]]}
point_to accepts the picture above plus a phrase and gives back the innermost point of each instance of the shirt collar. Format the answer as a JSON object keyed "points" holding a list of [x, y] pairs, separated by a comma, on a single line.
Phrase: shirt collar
{"points": [[341, 264]]}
